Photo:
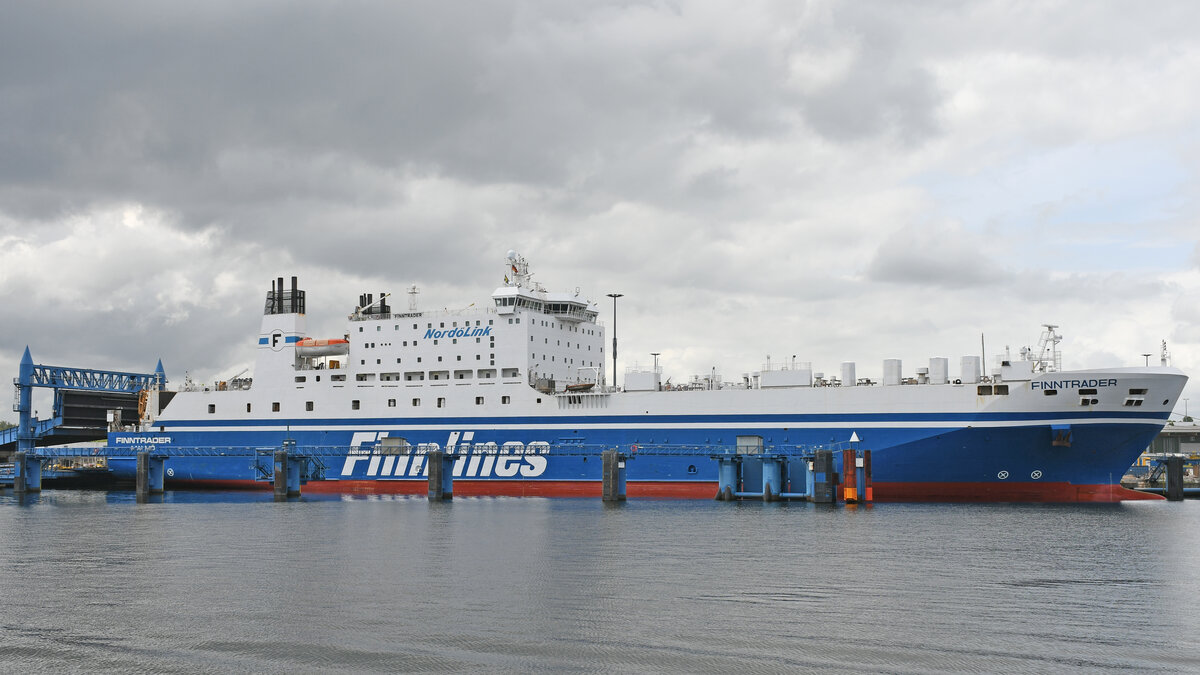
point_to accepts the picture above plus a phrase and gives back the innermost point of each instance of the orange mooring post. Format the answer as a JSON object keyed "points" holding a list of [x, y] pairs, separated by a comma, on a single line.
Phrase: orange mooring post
{"points": [[849, 480]]}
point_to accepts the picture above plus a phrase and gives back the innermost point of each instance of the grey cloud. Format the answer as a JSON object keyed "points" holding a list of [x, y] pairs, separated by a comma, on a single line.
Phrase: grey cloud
{"points": [[148, 102], [934, 256]]}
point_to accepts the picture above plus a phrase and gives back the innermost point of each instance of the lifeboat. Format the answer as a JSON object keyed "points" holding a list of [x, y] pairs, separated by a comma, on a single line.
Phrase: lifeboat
{"points": [[310, 347]]}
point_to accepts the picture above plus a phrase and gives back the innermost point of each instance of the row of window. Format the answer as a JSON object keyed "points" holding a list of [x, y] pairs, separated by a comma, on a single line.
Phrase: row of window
{"points": [[372, 345], [419, 375], [478, 357], [1087, 396], [574, 329], [559, 344], [428, 326], [355, 404], [533, 357]]}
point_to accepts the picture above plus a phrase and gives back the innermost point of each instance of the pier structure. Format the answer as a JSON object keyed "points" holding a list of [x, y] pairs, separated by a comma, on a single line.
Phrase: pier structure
{"points": [[802, 474], [766, 473], [28, 460]]}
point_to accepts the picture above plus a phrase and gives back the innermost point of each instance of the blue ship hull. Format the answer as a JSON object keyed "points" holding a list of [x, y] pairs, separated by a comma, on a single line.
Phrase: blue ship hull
{"points": [[989, 457]]}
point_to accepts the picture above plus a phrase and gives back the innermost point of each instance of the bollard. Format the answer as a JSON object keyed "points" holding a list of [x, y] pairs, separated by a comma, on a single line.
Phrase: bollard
{"points": [[27, 473], [1174, 479], [441, 475], [613, 479], [727, 478]]}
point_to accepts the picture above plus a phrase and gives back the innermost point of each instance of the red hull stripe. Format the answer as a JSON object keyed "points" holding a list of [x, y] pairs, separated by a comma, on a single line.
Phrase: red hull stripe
{"points": [[1004, 492], [883, 492], [478, 488]]}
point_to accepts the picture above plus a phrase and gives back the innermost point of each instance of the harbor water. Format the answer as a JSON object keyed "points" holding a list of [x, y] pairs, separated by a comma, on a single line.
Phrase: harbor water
{"points": [[235, 582]]}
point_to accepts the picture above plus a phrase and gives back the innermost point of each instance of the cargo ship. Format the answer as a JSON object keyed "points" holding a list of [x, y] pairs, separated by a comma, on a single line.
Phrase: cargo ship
{"points": [[518, 388]]}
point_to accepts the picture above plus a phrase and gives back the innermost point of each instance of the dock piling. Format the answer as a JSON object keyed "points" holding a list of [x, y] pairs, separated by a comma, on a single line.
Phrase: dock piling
{"points": [[1174, 479], [727, 477], [149, 474], [613, 479], [441, 475], [27, 473], [772, 478], [824, 478]]}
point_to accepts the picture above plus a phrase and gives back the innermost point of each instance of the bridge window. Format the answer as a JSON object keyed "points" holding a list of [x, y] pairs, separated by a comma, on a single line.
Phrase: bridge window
{"points": [[212, 408]]}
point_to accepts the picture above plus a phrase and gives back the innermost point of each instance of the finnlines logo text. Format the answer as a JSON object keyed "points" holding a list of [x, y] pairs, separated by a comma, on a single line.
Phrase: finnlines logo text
{"points": [[457, 332], [1073, 384], [478, 460]]}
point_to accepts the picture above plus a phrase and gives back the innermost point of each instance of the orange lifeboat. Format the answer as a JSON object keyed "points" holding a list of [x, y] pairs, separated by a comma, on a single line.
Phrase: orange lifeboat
{"points": [[310, 347]]}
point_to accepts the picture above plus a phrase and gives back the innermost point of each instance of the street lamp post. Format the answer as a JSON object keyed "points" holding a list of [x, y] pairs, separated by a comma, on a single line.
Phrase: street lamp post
{"points": [[614, 296]]}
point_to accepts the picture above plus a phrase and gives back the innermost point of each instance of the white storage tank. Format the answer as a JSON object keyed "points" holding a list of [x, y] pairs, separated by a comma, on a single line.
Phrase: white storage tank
{"points": [[939, 370], [971, 369], [891, 372], [848, 374]]}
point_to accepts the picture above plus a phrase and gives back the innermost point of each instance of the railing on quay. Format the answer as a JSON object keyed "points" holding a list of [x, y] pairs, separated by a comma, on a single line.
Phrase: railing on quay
{"points": [[558, 450]]}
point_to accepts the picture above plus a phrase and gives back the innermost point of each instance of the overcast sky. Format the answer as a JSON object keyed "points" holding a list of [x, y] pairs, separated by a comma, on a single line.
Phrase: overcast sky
{"points": [[835, 181]]}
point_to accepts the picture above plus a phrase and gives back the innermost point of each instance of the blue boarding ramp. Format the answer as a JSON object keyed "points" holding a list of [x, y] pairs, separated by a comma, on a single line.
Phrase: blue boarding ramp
{"points": [[28, 460]]}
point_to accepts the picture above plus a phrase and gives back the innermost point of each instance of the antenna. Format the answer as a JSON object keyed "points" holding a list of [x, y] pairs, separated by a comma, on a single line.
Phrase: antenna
{"points": [[1049, 359]]}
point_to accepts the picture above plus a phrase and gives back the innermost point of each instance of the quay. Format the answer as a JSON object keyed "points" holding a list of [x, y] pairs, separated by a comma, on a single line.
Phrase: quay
{"points": [[746, 473]]}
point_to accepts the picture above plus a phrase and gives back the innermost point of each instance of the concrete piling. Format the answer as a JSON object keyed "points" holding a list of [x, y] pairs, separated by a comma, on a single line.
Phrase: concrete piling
{"points": [[149, 474], [441, 475], [613, 480], [1174, 479]]}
